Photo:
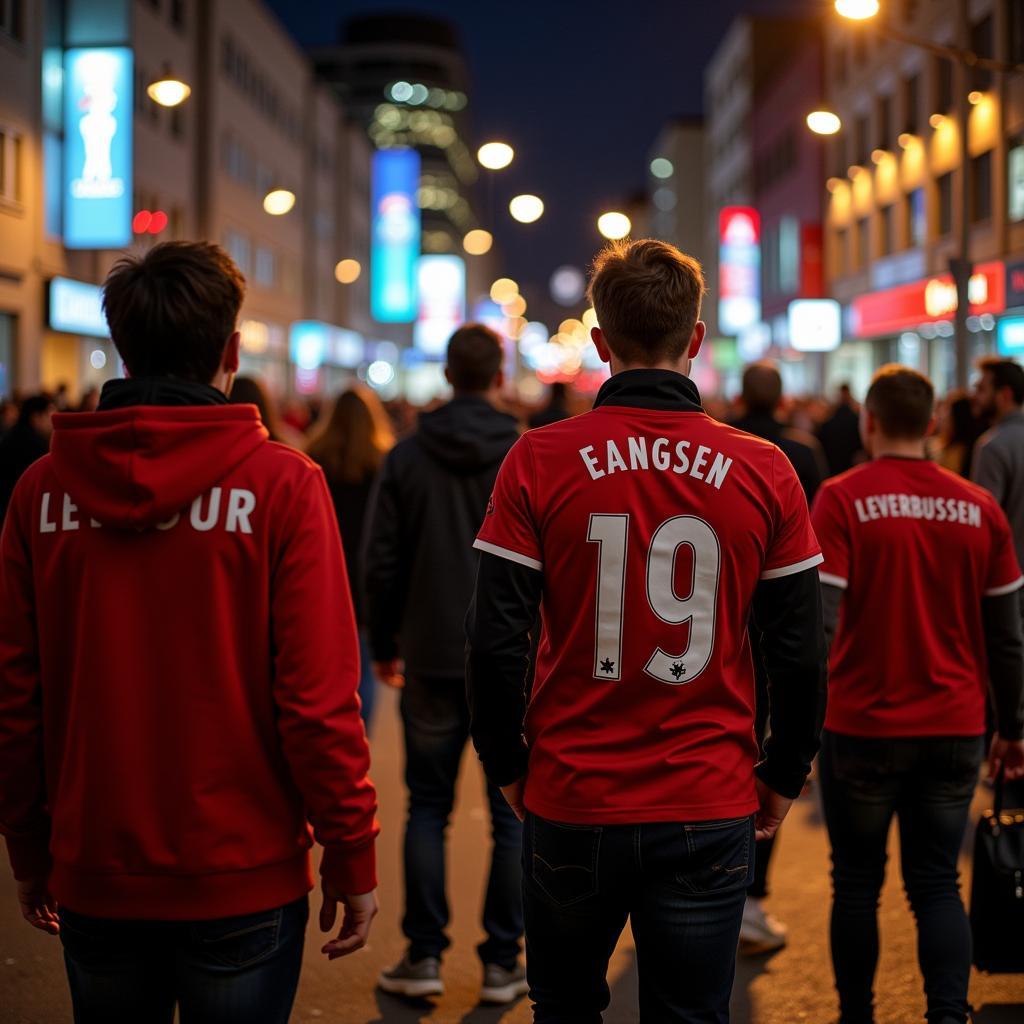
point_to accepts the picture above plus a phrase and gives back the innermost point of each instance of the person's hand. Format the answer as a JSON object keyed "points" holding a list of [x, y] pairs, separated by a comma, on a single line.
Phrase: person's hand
{"points": [[390, 673], [38, 906], [773, 807], [360, 910], [1008, 755], [513, 795]]}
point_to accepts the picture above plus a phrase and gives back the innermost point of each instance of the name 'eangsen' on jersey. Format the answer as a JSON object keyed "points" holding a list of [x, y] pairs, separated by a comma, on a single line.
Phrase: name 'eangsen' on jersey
{"points": [[652, 525]]}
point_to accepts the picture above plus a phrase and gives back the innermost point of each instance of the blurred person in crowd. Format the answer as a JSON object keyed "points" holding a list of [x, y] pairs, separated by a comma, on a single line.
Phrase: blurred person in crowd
{"points": [[913, 648], [761, 398], [632, 756], [350, 446], [298, 416], [8, 415], [170, 721], [957, 432], [840, 434], [26, 441], [252, 391], [556, 409], [89, 401], [420, 567], [62, 397]]}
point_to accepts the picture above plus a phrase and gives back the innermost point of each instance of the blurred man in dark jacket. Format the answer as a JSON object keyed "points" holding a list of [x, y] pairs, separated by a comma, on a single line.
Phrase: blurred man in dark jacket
{"points": [[420, 571], [840, 434], [26, 441]]}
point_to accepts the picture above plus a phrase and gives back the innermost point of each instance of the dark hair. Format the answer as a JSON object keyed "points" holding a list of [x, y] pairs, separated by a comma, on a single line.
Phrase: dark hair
{"points": [[902, 400], [172, 310], [352, 441], [1006, 373], [474, 358], [762, 387], [33, 406], [647, 297], [250, 391]]}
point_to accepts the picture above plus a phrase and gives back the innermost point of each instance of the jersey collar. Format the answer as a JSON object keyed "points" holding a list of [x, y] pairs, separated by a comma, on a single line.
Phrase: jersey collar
{"points": [[650, 389]]}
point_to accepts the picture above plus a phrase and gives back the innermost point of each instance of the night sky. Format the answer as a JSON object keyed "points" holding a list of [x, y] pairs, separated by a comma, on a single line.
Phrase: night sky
{"points": [[580, 88]]}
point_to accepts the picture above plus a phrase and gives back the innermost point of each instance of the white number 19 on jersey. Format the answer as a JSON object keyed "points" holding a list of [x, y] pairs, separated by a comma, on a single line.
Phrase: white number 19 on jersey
{"points": [[611, 534]]}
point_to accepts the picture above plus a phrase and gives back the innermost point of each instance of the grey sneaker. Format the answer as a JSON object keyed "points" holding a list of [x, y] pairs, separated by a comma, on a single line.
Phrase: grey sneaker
{"points": [[503, 986], [422, 978], [760, 933]]}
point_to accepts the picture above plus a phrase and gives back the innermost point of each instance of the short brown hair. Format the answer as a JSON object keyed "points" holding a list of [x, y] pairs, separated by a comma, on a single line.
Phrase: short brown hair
{"points": [[474, 358], [902, 400], [172, 310], [1006, 373], [762, 387], [647, 297]]}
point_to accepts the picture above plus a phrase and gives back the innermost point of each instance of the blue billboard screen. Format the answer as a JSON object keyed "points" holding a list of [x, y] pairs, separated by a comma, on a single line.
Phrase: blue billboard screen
{"points": [[396, 235], [98, 108]]}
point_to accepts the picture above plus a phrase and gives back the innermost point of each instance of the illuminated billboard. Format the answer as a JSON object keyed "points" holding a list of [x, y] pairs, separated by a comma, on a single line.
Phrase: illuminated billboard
{"points": [[395, 245], [739, 269], [442, 302], [76, 307], [98, 147], [815, 325]]}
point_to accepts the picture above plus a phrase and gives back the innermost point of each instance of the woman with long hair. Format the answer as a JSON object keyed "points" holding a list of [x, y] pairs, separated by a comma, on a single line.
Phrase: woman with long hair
{"points": [[350, 445], [958, 430], [252, 391]]}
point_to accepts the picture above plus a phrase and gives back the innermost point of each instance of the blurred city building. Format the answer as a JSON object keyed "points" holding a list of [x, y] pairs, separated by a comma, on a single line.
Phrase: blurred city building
{"points": [[260, 158], [675, 186], [895, 197]]}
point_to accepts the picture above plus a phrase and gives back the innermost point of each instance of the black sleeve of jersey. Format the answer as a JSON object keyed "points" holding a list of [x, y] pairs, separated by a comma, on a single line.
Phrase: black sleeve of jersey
{"points": [[1004, 643], [501, 617], [831, 599], [788, 614]]}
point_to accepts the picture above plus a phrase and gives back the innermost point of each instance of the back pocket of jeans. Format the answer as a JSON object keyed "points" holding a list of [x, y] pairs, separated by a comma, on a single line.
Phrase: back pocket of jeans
{"points": [[563, 860], [718, 856], [238, 941]]}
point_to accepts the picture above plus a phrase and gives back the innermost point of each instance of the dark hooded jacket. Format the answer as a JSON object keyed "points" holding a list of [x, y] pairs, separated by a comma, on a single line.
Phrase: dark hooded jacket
{"points": [[420, 564]]}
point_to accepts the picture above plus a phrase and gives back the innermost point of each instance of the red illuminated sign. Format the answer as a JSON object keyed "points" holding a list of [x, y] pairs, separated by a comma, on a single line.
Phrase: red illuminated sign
{"points": [[149, 222], [927, 301], [739, 268]]}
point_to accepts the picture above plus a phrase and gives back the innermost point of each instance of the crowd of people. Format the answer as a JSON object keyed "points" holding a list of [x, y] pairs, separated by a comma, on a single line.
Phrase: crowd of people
{"points": [[629, 606]]}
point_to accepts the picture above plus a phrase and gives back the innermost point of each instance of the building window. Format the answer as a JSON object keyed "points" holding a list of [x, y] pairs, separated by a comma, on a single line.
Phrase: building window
{"points": [[917, 227], [944, 186], [1015, 30], [887, 223], [1015, 178], [982, 44], [981, 187], [841, 251], [884, 136], [265, 274], [863, 151], [911, 103], [238, 249], [178, 13], [789, 256], [943, 85], [863, 243], [8, 325], [839, 164], [12, 18], [10, 165], [177, 122]]}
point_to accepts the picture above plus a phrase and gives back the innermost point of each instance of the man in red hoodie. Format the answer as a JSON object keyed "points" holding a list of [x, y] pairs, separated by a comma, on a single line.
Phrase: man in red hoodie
{"points": [[178, 670]]}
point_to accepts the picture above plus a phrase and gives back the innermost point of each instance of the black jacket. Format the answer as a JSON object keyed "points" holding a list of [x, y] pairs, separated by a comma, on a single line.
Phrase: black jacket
{"points": [[803, 450], [20, 447], [419, 559], [840, 437]]}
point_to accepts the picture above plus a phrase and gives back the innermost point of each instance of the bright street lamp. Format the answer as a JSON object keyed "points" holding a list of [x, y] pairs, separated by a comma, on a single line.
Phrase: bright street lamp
{"points": [[823, 122], [526, 208], [278, 202], [168, 90], [477, 242], [495, 155], [347, 271], [504, 290], [857, 10], [614, 225]]}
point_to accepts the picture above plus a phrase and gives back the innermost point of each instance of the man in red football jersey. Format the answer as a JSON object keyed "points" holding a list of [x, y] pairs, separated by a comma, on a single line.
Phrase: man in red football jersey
{"points": [[921, 583], [645, 533]]}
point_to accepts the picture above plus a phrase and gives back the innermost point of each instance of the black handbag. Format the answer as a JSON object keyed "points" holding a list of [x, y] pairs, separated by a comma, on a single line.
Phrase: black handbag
{"points": [[997, 888]]}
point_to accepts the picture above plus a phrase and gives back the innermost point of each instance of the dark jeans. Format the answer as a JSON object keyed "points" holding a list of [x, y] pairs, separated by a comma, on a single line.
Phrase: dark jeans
{"points": [[681, 885], [762, 709], [928, 784], [435, 717], [235, 970]]}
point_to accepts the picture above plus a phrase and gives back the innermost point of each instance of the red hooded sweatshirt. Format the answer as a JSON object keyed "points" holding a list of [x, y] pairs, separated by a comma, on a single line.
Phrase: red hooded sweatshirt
{"points": [[178, 669]]}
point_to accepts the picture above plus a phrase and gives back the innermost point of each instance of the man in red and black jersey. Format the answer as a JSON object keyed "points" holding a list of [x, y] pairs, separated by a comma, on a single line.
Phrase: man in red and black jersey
{"points": [[644, 533], [921, 588]]}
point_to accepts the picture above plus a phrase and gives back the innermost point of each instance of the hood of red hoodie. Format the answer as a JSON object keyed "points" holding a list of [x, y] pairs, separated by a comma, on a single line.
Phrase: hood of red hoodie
{"points": [[134, 467]]}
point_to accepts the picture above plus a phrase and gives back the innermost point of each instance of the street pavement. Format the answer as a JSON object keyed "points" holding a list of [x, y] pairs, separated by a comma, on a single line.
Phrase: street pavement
{"points": [[791, 987]]}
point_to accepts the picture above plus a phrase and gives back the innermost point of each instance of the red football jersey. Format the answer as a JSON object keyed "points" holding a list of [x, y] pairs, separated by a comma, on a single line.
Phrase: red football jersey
{"points": [[915, 547], [652, 529]]}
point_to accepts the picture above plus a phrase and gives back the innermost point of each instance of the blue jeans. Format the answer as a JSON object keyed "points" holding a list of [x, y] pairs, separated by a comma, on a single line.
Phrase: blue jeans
{"points": [[367, 681], [435, 717], [927, 784], [682, 886], [235, 970]]}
